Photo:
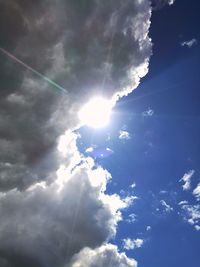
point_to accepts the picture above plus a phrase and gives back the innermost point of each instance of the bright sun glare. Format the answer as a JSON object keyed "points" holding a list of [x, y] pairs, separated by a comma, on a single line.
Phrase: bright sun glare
{"points": [[96, 113]]}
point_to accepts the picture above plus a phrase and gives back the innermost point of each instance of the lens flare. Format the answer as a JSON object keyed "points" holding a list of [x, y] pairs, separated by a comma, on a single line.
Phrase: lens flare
{"points": [[55, 85]]}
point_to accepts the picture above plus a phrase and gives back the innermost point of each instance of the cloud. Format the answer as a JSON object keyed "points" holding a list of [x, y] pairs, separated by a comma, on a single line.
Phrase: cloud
{"points": [[158, 4], [191, 213], [106, 255], [131, 218], [124, 135], [197, 227], [148, 113], [189, 43], [166, 206], [148, 228], [133, 185], [132, 243], [60, 219], [187, 180], [77, 56], [52, 199], [196, 192]]}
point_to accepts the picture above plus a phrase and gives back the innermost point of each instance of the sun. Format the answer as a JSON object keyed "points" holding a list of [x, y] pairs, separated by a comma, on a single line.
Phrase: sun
{"points": [[96, 113]]}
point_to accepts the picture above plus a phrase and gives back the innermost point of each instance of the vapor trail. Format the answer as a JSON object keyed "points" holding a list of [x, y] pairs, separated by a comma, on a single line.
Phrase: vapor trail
{"points": [[32, 70]]}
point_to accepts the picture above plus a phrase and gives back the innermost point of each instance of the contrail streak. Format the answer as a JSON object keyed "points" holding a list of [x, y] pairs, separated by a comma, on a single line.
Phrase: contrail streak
{"points": [[33, 70]]}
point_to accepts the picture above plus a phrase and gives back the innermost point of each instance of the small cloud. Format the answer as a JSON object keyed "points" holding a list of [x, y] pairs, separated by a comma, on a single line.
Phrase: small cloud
{"points": [[129, 244], [159, 4], [124, 135], [148, 113], [189, 43], [196, 192], [131, 218], [163, 192], [192, 215], [99, 152], [133, 185], [187, 180], [183, 202], [167, 207], [171, 2], [148, 228], [89, 150], [197, 227]]}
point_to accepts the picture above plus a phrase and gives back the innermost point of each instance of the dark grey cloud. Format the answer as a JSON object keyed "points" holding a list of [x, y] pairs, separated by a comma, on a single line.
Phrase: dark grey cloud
{"points": [[87, 47]]}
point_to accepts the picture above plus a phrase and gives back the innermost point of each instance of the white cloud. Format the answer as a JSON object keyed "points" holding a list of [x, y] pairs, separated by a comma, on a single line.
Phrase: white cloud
{"points": [[129, 244], [106, 255], [53, 200], [171, 2], [131, 218], [187, 179], [189, 43], [158, 4], [74, 214], [148, 113], [163, 192], [133, 185], [167, 207], [183, 202], [191, 214], [197, 227], [124, 135], [148, 228], [196, 192]]}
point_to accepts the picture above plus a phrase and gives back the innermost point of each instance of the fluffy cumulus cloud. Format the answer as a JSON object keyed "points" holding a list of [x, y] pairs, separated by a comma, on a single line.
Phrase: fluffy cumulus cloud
{"points": [[53, 202], [106, 255]]}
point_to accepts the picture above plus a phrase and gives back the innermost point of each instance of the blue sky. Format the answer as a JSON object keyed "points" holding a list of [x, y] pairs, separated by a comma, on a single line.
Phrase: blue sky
{"points": [[162, 146]]}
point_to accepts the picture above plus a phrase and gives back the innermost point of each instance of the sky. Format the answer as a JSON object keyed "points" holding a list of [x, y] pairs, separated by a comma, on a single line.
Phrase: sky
{"points": [[72, 193]]}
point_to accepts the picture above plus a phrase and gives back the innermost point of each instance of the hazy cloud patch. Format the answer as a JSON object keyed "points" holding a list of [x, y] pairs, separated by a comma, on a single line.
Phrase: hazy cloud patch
{"points": [[189, 43]]}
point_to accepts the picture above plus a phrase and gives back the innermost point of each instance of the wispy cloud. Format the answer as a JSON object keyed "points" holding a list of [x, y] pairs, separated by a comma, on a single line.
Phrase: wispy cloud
{"points": [[148, 113], [196, 192], [131, 218], [166, 206], [187, 180], [129, 244], [148, 228], [192, 214], [189, 43], [158, 4], [133, 185], [124, 135]]}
